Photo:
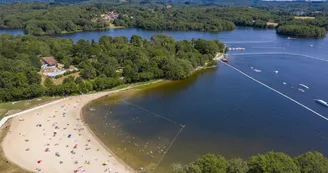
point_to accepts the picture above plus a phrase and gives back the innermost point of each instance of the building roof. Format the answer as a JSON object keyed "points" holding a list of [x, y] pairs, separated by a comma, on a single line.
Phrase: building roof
{"points": [[49, 60]]}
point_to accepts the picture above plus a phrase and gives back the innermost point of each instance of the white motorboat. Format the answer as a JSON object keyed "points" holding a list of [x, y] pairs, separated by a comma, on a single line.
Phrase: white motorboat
{"points": [[321, 102], [304, 86]]}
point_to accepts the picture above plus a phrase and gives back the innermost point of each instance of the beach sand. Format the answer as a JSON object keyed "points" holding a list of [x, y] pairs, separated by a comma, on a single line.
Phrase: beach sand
{"points": [[31, 134]]}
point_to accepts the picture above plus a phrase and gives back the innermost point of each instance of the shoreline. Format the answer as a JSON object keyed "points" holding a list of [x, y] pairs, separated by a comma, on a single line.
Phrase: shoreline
{"points": [[13, 145], [218, 57]]}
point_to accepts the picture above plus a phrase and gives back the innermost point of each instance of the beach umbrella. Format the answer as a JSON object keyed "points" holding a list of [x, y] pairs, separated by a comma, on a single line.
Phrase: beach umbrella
{"points": [[39, 161], [69, 135]]}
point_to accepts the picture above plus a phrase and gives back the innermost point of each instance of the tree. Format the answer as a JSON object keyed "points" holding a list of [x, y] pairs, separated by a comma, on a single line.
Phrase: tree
{"points": [[33, 77], [136, 40], [302, 31], [206, 47], [164, 41], [78, 80], [102, 83], [120, 40], [272, 162], [211, 163], [68, 89], [50, 87], [32, 91], [69, 79], [177, 69], [48, 83], [192, 168], [85, 86], [20, 80], [130, 74], [237, 166], [88, 73], [312, 162]]}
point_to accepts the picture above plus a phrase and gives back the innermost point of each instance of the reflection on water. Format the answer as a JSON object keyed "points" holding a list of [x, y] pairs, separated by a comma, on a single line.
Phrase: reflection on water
{"points": [[120, 130], [140, 138]]}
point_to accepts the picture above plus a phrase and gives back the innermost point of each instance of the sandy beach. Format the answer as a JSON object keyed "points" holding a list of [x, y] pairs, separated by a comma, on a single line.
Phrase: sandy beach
{"points": [[54, 139]]}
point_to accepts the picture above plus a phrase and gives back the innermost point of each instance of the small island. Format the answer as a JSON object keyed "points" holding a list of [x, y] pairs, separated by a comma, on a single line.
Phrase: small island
{"points": [[301, 31]]}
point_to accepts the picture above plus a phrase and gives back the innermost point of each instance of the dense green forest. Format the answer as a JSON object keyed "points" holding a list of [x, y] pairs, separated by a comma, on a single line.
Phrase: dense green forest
{"points": [[101, 64], [302, 31], [272, 162], [46, 19], [50, 19], [200, 19]]}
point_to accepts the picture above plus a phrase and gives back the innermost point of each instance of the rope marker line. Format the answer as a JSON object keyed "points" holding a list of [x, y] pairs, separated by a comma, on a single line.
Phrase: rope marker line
{"points": [[126, 102], [176, 136], [278, 92], [277, 53]]}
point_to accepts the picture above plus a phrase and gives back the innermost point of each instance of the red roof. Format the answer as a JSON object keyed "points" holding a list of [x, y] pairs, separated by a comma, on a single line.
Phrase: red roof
{"points": [[49, 60]]}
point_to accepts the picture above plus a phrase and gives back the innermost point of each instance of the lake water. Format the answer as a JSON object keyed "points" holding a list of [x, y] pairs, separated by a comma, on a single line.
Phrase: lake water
{"points": [[223, 111], [12, 31]]}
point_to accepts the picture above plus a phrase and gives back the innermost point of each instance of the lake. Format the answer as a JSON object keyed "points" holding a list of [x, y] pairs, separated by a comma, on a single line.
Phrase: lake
{"points": [[224, 112]]}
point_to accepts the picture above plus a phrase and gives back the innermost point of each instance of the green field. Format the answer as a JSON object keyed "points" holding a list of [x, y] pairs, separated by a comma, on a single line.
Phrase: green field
{"points": [[9, 108]]}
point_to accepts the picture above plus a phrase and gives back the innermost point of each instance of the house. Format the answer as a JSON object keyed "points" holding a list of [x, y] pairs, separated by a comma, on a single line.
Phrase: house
{"points": [[48, 62]]}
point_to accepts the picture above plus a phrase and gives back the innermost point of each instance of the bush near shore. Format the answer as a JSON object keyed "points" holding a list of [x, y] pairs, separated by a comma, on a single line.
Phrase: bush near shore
{"points": [[272, 162]]}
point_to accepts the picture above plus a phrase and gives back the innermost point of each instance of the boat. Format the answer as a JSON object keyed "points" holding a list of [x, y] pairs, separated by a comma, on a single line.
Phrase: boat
{"points": [[225, 59], [257, 70], [237, 48], [321, 102], [304, 86]]}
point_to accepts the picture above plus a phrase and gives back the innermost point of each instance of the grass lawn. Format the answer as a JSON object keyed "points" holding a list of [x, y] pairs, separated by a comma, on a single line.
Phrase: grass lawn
{"points": [[14, 107], [272, 23], [59, 80], [304, 17]]}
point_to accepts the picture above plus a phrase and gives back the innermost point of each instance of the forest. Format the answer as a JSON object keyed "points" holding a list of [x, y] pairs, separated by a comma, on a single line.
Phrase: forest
{"points": [[201, 19], [50, 19], [302, 31], [102, 65], [272, 162]]}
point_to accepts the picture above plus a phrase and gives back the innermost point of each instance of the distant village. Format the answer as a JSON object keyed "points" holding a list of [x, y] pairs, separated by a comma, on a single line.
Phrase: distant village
{"points": [[110, 16]]}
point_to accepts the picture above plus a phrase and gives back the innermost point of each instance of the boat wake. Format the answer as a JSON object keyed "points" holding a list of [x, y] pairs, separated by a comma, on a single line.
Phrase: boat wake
{"points": [[278, 92], [279, 53]]}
